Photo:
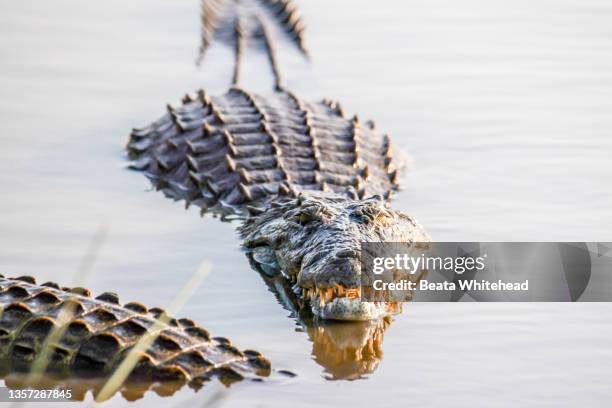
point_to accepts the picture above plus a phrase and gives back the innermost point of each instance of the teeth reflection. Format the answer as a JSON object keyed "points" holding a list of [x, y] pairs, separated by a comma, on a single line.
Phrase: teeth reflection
{"points": [[348, 350]]}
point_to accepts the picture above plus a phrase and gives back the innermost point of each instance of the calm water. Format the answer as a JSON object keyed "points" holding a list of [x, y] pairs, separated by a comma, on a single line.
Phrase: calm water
{"points": [[504, 108]]}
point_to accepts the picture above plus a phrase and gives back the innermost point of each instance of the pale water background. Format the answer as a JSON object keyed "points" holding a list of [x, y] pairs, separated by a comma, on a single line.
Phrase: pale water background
{"points": [[505, 108]]}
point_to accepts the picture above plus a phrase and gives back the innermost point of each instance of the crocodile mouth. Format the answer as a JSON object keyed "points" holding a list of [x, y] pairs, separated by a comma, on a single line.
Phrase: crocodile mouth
{"points": [[340, 303], [313, 284], [332, 288]]}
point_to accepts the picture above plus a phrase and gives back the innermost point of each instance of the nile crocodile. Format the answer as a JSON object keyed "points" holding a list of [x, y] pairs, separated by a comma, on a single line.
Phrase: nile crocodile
{"points": [[99, 333], [309, 183]]}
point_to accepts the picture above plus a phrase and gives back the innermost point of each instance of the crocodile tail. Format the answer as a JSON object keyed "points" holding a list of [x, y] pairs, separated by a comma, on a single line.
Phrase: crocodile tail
{"points": [[90, 337], [250, 22]]}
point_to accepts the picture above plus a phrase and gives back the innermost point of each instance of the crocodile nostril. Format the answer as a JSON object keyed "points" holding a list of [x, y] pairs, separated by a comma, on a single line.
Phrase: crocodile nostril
{"points": [[347, 253]]}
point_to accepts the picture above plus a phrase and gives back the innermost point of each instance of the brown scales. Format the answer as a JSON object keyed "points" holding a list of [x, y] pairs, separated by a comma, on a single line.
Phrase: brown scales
{"points": [[240, 149], [100, 333]]}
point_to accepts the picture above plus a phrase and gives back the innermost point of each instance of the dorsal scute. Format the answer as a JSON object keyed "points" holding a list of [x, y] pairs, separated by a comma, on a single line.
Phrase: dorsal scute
{"points": [[225, 20], [223, 153]]}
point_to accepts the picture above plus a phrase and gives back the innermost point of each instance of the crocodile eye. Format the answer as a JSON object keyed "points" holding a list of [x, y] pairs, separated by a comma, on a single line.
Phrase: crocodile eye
{"points": [[301, 217], [383, 219], [304, 218], [369, 217], [360, 218]]}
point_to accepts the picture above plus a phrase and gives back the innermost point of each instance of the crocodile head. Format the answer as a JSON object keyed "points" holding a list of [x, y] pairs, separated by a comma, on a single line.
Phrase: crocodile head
{"points": [[314, 241]]}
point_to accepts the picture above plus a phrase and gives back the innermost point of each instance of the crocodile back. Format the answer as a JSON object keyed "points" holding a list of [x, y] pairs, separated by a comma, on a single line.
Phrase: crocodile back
{"points": [[240, 149]]}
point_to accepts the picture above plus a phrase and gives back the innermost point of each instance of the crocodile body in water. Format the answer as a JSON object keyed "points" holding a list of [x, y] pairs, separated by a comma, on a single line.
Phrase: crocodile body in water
{"points": [[309, 183], [98, 333]]}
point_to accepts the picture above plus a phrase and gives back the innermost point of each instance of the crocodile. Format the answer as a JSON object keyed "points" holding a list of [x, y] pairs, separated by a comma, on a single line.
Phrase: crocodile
{"points": [[308, 183], [98, 333]]}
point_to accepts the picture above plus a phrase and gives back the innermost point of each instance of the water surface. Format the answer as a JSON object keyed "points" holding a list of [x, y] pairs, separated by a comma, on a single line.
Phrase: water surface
{"points": [[504, 108]]}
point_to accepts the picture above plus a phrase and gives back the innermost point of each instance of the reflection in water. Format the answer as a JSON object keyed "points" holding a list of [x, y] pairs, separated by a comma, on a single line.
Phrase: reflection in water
{"points": [[346, 350], [80, 387]]}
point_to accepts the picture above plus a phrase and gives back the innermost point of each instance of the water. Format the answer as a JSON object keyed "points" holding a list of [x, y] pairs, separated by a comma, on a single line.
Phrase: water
{"points": [[503, 107]]}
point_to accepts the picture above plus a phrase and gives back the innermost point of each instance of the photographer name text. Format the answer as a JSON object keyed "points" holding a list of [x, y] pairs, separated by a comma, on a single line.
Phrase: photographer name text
{"points": [[464, 285]]}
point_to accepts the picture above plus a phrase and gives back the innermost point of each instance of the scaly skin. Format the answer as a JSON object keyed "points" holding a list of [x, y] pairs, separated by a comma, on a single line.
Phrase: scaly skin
{"points": [[99, 333], [309, 184]]}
